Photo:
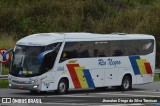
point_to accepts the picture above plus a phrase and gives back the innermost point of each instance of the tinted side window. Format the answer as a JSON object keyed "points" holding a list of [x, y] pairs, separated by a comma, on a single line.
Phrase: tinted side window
{"points": [[147, 46], [139, 47], [85, 50], [117, 48], [106, 48], [69, 51], [131, 47], [76, 50], [101, 49]]}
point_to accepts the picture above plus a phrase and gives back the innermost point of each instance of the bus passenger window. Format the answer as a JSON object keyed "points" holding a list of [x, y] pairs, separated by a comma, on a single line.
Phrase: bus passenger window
{"points": [[84, 54], [99, 53], [117, 48], [117, 53], [101, 49]]}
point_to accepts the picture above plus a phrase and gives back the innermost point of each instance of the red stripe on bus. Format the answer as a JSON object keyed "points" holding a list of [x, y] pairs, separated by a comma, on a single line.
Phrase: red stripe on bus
{"points": [[148, 68], [74, 75]]}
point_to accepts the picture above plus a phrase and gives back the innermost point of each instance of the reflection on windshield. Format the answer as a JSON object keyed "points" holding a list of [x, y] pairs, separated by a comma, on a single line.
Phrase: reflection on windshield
{"points": [[30, 63], [25, 60]]}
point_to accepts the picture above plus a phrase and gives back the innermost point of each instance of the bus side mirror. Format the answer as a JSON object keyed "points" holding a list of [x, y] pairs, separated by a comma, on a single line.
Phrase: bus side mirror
{"points": [[6, 53], [41, 56]]}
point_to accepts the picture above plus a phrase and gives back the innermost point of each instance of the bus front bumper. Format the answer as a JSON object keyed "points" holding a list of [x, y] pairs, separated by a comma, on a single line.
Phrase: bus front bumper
{"points": [[31, 87]]}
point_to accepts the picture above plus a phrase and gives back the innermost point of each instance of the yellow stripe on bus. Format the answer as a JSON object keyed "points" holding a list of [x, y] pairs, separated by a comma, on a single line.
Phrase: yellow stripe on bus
{"points": [[141, 65], [80, 74]]}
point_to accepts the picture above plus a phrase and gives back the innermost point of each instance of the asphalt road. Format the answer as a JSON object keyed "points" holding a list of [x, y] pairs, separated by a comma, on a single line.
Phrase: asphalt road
{"points": [[89, 97]]}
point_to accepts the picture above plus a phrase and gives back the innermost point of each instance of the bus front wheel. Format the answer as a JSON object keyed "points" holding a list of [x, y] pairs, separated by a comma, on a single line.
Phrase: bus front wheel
{"points": [[62, 87]]}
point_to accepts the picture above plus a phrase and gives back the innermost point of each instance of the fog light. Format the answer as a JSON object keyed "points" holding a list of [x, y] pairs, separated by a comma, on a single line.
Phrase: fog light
{"points": [[10, 85], [35, 86]]}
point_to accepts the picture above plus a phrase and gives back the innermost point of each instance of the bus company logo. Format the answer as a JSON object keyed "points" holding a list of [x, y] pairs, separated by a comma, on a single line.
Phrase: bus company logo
{"points": [[113, 63], [140, 66], [101, 62], [61, 68], [110, 62]]}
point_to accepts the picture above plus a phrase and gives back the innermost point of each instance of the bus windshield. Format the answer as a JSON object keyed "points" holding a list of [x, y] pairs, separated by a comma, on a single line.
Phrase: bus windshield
{"points": [[25, 60]]}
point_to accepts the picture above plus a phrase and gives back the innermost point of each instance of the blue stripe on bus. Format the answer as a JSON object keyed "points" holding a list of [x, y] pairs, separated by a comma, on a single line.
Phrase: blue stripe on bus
{"points": [[88, 78], [134, 64]]}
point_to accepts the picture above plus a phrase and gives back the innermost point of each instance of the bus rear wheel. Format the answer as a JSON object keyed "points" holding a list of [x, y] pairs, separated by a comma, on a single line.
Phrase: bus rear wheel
{"points": [[62, 87], [126, 83]]}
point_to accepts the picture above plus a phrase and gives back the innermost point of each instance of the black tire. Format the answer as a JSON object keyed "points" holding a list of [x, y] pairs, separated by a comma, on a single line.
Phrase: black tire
{"points": [[62, 87], [126, 84]]}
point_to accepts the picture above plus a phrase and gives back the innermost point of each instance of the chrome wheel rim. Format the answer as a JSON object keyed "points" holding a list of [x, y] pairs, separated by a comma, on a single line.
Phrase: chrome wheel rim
{"points": [[126, 84], [62, 87]]}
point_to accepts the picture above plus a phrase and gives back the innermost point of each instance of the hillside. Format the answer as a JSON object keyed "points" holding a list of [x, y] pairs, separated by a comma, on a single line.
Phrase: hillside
{"points": [[19, 18]]}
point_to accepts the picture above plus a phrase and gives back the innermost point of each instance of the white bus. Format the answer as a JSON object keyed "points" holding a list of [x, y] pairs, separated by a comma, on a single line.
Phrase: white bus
{"points": [[63, 61]]}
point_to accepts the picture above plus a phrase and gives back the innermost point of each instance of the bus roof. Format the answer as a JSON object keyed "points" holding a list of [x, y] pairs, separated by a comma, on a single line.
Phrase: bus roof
{"points": [[43, 39]]}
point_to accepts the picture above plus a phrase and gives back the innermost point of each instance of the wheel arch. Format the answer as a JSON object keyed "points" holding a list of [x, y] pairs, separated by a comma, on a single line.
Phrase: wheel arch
{"points": [[65, 78], [129, 75]]}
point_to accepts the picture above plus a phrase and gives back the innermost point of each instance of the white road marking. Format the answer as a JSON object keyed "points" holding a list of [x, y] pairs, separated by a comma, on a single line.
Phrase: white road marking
{"points": [[134, 104], [77, 96], [146, 91], [65, 100], [73, 95], [66, 104], [129, 95]]}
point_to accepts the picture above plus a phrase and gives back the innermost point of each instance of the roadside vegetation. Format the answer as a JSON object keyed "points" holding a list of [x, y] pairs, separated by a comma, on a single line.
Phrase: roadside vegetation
{"points": [[19, 18], [156, 77], [3, 83]]}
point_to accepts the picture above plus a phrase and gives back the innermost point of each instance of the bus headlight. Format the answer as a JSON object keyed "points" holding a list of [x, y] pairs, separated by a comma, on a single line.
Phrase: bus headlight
{"points": [[35, 86], [10, 85]]}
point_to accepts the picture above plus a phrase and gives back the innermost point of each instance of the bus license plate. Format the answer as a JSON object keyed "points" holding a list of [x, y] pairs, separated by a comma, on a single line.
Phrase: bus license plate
{"points": [[20, 87]]}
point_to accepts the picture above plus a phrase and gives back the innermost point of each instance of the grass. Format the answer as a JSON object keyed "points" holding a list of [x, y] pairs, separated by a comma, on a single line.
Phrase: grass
{"points": [[3, 83], [156, 77], [5, 69], [6, 41], [21, 18]]}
